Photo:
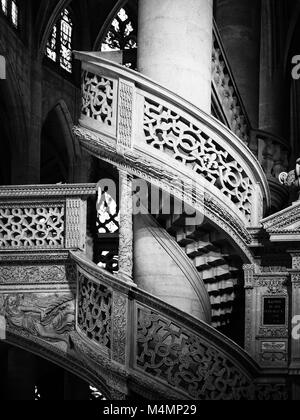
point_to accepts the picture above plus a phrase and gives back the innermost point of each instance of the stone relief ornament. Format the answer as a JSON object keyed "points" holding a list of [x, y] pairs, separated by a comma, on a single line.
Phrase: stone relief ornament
{"points": [[49, 317], [172, 134]]}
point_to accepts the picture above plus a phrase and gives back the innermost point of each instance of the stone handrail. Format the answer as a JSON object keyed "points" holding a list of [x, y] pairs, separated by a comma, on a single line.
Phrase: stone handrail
{"points": [[225, 93], [44, 218], [167, 352], [159, 134]]}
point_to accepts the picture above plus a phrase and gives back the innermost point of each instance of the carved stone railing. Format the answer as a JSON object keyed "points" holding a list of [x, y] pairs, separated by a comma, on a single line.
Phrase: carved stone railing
{"points": [[44, 218], [166, 352], [227, 102], [137, 125]]}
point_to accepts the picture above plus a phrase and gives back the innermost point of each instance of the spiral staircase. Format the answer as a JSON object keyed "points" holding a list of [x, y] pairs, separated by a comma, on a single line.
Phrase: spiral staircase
{"points": [[106, 324]]}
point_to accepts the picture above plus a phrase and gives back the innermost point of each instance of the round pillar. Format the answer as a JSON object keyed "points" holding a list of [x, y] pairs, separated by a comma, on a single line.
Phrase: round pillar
{"points": [[239, 24], [175, 46]]}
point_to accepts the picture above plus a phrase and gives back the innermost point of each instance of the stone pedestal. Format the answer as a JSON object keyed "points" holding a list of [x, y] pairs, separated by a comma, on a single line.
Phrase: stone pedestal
{"points": [[175, 46]]}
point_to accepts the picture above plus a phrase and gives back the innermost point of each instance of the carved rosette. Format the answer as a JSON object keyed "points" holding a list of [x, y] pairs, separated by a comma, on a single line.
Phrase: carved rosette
{"points": [[126, 227]]}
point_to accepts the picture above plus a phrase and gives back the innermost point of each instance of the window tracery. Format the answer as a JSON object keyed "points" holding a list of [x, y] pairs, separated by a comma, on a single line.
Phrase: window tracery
{"points": [[122, 36], [59, 45]]}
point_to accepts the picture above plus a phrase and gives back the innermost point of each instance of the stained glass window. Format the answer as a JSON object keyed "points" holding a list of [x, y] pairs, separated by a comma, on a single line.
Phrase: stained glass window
{"points": [[51, 45], [59, 45], [4, 6], [10, 9], [66, 28], [122, 35], [14, 14]]}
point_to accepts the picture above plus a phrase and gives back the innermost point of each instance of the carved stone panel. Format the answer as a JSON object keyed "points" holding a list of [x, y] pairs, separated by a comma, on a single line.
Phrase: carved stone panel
{"points": [[95, 311], [168, 352], [32, 226]]}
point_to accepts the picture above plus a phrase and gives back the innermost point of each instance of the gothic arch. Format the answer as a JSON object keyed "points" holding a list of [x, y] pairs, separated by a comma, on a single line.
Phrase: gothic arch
{"points": [[59, 148], [65, 361], [47, 24], [97, 44]]}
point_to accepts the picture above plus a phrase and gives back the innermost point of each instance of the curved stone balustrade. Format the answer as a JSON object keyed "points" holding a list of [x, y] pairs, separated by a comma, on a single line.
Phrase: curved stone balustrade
{"points": [[227, 101], [137, 125], [167, 352]]}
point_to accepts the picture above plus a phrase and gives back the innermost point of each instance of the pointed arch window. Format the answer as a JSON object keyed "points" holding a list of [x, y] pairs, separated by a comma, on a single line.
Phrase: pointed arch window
{"points": [[59, 45], [122, 36], [10, 8]]}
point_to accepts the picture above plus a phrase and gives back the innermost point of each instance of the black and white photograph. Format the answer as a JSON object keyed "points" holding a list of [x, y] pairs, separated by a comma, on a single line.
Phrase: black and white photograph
{"points": [[149, 203]]}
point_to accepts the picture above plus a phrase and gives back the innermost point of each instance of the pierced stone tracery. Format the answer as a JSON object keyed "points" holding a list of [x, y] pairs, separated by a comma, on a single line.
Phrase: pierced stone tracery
{"points": [[97, 98], [170, 133], [95, 311], [32, 226]]}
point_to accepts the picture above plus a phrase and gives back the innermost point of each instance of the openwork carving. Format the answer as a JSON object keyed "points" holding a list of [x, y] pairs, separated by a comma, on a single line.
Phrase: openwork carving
{"points": [[97, 98], [94, 311], [184, 361], [168, 132], [32, 226]]}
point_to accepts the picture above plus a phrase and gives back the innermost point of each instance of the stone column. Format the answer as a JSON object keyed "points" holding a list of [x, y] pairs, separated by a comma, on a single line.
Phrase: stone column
{"points": [[273, 117], [239, 24], [126, 227], [175, 46]]}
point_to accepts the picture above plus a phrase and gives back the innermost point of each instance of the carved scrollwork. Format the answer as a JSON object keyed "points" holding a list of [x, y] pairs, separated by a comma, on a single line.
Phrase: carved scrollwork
{"points": [[26, 274], [170, 133], [184, 361], [32, 226], [95, 311], [97, 98]]}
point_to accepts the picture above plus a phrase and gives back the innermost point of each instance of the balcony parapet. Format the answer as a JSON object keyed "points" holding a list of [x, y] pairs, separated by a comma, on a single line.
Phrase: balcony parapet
{"points": [[155, 134], [136, 326], [49, 218]]}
